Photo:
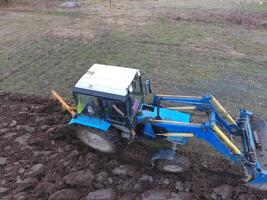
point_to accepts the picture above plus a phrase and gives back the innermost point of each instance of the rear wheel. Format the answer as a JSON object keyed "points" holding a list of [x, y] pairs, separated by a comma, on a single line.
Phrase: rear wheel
{"points": [[103, 142], [179, 164]]}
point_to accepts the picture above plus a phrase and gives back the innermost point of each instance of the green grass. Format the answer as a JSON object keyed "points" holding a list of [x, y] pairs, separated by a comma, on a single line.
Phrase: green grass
{"points": [[259, 7], [181, 57]]}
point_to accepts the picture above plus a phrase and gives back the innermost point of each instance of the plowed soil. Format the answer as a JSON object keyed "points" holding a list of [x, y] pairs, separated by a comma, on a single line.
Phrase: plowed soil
{"points": [[41, 158]]}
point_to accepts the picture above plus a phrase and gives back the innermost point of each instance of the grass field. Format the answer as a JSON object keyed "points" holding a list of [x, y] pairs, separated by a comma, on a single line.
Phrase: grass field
{"points": [[185, 47]]}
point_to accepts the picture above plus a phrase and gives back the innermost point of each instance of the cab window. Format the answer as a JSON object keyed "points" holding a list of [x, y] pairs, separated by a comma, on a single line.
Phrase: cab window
{"points": [[115, 111], [88, 105], [136, 97]]}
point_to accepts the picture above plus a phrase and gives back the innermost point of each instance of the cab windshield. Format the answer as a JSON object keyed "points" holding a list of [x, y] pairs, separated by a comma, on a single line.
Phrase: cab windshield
{"points": [[136, 96]]}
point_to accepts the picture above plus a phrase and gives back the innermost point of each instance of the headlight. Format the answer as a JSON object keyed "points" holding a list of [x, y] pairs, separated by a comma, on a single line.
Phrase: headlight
{"points": [[130, 88]]}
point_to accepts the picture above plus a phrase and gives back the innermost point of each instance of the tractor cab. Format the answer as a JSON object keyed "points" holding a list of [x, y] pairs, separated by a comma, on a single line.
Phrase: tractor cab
{"points": [[107, 95]]}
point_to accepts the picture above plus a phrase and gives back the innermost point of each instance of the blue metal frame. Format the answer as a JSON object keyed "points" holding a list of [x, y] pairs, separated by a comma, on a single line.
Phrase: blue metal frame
{"points": [[178, 122], [91, 122], [205, 132], [165, 114], [202, 103], [259, 180]]}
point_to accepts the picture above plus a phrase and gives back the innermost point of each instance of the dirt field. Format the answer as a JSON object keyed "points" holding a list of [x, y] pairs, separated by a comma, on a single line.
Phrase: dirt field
{"points": [[41, 158], [185, 47]]}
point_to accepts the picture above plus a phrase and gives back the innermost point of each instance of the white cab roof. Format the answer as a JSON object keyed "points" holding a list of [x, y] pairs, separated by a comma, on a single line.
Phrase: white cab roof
{"points": [[108, 79]]}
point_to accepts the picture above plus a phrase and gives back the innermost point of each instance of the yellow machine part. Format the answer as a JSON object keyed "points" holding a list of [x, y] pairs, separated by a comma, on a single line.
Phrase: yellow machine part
{"points": [[173, 122], [63, 103], [185, 108], [189, 135], [226, 140], [222, 110], [215, 128]]}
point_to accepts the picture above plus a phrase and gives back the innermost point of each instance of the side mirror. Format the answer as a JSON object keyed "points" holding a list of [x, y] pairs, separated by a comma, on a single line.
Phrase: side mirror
{"points": [[148, 87]]}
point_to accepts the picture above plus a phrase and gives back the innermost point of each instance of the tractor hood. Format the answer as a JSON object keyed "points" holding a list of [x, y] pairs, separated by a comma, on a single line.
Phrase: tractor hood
{"points": [[107, 79]]}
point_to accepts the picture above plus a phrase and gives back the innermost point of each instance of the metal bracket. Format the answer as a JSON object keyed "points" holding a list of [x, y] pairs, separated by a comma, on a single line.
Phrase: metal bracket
{"points": [[163, 154]]}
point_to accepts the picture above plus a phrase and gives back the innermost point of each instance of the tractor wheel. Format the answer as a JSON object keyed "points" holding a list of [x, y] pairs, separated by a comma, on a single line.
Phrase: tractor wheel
{"points": [[103, 142], [179, 164]]}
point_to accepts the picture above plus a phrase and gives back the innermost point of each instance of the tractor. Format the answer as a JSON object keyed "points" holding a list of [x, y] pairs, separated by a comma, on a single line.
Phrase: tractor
{"points": [[110, 106]]}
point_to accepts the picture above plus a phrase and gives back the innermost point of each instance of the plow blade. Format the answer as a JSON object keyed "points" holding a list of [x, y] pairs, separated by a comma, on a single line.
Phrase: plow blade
{"points": [[63, 103]]}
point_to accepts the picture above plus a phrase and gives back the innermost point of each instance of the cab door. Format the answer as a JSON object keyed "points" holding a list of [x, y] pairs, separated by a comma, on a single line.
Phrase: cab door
{"points": [[88, 105], [115, 111]]}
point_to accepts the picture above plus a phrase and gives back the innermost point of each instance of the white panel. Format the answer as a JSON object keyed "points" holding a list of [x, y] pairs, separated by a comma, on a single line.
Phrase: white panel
{"points": [[107, 79]]}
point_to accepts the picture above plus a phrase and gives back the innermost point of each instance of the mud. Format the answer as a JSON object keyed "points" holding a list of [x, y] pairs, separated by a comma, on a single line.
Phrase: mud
{"points": [[41, 158]]}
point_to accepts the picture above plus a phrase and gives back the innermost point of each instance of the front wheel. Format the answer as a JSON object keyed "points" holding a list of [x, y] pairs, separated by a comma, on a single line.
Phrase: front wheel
{"points": [[177, 165], [103, 142]]}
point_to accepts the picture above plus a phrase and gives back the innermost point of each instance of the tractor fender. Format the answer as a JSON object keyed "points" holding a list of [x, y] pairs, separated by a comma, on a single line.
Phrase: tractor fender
{"points": [[91, 122]]}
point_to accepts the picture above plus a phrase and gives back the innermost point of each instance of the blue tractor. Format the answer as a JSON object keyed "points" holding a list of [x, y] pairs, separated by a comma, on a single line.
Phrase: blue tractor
{"points": [[109, 106]]}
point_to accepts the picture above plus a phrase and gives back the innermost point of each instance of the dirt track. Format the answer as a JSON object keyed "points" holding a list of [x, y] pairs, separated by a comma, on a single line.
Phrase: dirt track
{"points": [[41, 158]]}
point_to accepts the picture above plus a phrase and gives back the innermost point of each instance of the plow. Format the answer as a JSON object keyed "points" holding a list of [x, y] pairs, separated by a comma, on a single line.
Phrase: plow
{"points": [[110, 107]]}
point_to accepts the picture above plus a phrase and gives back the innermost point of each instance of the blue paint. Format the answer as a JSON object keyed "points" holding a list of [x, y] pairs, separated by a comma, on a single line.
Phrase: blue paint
{"points": [[148, 131], [91, 122], [260, 180], [165, 114], [202, 104], [205, 132], [201, 132]]}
